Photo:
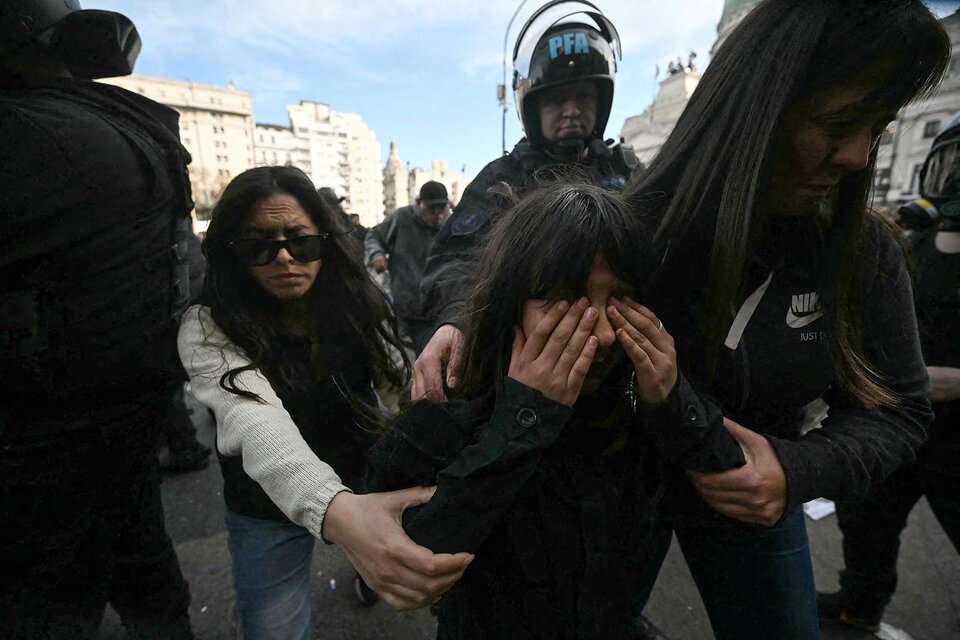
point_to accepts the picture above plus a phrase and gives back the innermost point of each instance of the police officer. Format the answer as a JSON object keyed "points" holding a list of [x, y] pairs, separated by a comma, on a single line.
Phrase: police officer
{"points": [[94, 215], [564, 61], [871, 529]]}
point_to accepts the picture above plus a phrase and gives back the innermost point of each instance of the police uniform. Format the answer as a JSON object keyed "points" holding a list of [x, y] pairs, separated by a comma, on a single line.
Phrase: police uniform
{"points": [[448, 271], [94, 213]]}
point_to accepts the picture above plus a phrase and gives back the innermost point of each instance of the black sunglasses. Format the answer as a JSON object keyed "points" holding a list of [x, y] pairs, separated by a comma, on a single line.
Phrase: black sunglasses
{"points": [[257, 252]]}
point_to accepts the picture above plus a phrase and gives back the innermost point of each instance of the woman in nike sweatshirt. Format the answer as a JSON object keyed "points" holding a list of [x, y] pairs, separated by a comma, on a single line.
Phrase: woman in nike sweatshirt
{"points": [[782, 287]]}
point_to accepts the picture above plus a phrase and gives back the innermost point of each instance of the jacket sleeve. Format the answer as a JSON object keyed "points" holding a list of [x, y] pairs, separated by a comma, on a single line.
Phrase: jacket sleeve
{"points": [[857, 448], [688, 430], [375, 242], [274, 453], [448, 272], [479, 483]]}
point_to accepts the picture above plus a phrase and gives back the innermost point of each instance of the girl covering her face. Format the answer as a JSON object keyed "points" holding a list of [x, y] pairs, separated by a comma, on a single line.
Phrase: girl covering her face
{"points": [[544, 467]]}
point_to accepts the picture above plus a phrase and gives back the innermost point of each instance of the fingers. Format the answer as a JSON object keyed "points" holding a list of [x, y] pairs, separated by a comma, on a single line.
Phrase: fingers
{"points": [[565, 331], [445, 347], [456, 355], [542, 333], [427, 382], [412, 497], [645, 322], [572, 350], [581, 367], [413, 577]]}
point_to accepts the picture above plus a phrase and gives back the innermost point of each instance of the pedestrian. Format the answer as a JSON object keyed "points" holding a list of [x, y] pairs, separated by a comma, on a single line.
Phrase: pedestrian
{"points": [[565, 61], [284, 346], [94, 215], [871, 528], [544, 462], [400, 244], [780, 286]]}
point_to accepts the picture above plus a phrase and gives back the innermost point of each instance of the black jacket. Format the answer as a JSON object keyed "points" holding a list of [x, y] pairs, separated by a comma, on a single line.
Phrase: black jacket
{"points": [[557, 503], [781, 362], [94, 216], [448, 272]]}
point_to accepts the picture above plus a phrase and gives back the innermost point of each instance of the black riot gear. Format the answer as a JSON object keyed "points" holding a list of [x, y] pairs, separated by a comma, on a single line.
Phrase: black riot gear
{"points": [[564, 42], [91, 43], [940, 175]]}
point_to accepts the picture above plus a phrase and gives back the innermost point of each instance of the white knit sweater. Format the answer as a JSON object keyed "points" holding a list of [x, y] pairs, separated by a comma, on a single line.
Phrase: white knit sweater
{"points": [[274, 453]]}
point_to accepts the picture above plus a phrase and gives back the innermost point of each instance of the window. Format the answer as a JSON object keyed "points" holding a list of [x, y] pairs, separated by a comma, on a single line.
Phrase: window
{"points": [[931, 129], [301, 130]]}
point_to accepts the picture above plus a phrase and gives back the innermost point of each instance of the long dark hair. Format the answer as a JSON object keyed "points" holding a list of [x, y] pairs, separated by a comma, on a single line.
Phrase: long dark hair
{"points": [[545, 246], [347, 306], [716, 166]]}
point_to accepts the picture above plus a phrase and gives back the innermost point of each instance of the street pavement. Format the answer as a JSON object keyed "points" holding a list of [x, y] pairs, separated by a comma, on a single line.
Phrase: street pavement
{"points": [[925, 607]]}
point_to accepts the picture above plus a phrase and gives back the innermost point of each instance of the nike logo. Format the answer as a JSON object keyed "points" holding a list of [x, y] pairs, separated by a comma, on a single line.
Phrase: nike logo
{"points": [[804, 309]]}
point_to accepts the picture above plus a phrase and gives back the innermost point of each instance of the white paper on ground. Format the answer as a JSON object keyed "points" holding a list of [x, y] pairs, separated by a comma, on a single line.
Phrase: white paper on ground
{"points": [[819, 508], [888, 632]]}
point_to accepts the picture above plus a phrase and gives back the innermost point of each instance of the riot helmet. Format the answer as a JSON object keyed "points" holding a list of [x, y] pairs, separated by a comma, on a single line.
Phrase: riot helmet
{"points": [[91, 43], [940, 175], [563, 42]]}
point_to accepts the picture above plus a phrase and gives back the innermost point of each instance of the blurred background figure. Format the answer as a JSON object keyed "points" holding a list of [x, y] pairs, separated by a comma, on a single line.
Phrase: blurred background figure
{"points": [[400, 245], [94, 218]]}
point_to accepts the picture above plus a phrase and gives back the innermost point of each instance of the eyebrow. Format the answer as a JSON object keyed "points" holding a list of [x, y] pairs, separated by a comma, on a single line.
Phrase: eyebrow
{"points": [[266, 231]]}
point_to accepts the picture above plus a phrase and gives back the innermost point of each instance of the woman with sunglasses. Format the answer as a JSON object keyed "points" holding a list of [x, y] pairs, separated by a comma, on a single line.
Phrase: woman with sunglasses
{"points": [[284, 345]]}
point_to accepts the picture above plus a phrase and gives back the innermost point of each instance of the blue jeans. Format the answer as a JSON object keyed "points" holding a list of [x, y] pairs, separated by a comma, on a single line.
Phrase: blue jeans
{"points": [[755, 586], [271, 573]]}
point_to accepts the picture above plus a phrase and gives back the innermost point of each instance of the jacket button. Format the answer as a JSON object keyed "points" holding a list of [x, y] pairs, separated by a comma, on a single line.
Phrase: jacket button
{"points": [[526, 417], [690, 414]]}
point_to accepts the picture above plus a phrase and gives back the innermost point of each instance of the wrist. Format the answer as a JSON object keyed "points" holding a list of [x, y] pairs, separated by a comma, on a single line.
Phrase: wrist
{"points": [[336, 516]]}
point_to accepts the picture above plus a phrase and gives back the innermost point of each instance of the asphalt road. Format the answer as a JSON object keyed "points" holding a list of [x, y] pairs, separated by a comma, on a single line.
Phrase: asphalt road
{"points": [[926, 606]]}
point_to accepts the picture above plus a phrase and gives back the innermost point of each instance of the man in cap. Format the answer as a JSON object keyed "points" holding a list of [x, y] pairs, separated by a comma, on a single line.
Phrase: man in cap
{"points": [[400, 244]]}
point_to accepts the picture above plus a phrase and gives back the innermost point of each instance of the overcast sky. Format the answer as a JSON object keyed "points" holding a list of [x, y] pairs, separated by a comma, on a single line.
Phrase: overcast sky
{"points": [[421, 71]]}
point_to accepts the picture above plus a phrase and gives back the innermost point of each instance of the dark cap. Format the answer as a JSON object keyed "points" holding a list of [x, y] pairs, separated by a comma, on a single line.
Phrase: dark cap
{"points": [[432, 193]]}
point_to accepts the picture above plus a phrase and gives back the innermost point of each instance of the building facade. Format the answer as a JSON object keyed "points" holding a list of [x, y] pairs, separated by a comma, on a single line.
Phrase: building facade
{"points": [[216, 127], [335, 149], [648, 131]]}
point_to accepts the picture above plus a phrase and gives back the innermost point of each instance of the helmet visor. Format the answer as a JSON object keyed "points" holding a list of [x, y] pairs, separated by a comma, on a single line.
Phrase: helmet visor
{"points": [[560, 12], [941, 172]]}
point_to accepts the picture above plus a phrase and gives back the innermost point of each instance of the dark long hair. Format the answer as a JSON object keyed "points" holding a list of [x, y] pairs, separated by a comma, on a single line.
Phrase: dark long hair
{"points": [[347, 306], [544, 246], [716, 166]]}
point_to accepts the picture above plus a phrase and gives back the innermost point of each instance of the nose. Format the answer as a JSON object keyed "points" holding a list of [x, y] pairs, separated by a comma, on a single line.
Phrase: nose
{"points": [[603, 330], [283, 256], [571, 107], [853, 152]]}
